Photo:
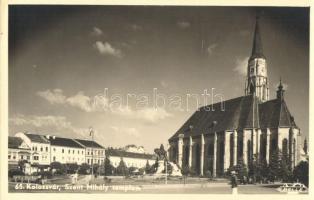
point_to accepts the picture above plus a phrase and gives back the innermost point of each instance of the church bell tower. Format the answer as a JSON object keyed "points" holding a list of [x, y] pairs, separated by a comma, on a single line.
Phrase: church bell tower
{"points": [[257, 80]]}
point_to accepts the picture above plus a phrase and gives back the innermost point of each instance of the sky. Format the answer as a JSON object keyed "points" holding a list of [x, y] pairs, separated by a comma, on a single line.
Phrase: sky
{"points": [[73, 67]]}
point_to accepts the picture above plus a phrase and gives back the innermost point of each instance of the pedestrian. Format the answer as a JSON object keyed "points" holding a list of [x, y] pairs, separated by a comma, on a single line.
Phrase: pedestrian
{"points": [[234, 183]]}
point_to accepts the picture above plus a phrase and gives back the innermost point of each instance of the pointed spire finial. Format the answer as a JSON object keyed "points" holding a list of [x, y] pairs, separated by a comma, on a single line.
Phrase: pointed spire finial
{"points": [[257, 50], [280, 86]]}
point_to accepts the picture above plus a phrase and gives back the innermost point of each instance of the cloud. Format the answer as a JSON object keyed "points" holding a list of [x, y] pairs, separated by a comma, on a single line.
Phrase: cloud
{"points": [[211, 48], [184, 24], [96, 31], [101, 103], [57, 122], [151, 115], [81, 101], [241, 66], [104, 48], [54, 97], [128, 131]]}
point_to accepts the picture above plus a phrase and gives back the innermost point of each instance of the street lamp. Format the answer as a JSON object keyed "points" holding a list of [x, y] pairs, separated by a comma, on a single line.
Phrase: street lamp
{"points": [[91, 133], [166, 160]]}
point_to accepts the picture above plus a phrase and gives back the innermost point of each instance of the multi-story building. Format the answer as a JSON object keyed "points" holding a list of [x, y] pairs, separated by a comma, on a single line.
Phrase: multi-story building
{"points": [[94, 152], [18, 150], [131, 159], [39, 148], [66, 150]]}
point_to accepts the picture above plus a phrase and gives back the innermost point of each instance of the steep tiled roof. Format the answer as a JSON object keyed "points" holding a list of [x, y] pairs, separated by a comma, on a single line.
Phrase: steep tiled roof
{"points": [[275, 113], [37, 138], [89, 143], [120, 153], [67, 142], [14, 142], [239, 113]]}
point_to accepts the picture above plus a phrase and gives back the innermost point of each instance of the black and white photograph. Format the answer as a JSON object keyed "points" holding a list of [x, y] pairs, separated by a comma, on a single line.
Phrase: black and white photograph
{"points": [[157, 99]]}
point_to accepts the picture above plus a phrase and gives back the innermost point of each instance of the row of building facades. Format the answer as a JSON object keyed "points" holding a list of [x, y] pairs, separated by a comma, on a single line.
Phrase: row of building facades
{"points": [[42, 150]]}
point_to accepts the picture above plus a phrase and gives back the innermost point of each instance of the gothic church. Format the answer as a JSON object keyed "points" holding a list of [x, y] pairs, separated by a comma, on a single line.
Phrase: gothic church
{"points": [[250, 127]]}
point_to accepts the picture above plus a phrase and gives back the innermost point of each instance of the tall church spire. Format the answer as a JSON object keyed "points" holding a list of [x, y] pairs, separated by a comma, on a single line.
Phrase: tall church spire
{"points": [[257, 80], [257, 50]]}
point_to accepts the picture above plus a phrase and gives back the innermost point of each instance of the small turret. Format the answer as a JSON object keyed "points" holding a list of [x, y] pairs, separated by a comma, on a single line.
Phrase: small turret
{"points": [[280, 91]]}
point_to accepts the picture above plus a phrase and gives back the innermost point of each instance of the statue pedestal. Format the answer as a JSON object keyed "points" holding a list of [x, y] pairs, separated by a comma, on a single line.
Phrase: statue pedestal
{"points": [[161, 169]]}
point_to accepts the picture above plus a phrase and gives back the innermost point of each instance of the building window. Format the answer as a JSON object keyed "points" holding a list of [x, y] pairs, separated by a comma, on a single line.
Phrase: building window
{"points": [[33, 148], [41, 148], [78, 151], [82, 152], [9, 156], [14, 157], [47, 149], [36, 158], [87, 161], [22, 157], [54, 158], [88, 153], [73, 151], [69, 151], [54, 149], [252, 70], [62, 150], [28, 157]]}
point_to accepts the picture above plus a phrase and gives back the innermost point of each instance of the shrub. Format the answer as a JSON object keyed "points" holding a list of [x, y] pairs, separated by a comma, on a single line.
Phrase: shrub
{"points": [[301, 173], [71, 168], [84, 169], [15, 172]]}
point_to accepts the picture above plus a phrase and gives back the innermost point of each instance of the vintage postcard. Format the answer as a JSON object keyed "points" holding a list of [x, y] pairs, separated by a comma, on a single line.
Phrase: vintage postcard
{"points": [[157, 99]]}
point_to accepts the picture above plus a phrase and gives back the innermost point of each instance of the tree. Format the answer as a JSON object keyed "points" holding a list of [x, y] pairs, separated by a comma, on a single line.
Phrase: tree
{"points": [[264, 169], [84, 169], [241, 170], [56, 166], [147, 167], [305, 148], [279, 167], [122, 169], [109, 168], [285, 171], [301, 173], [21, 164], [72, 167], [274, 166]]}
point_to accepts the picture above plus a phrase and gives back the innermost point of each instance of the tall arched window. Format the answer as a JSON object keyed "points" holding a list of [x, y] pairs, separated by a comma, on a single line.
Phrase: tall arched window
{"points": [[293, 151], [285, 149], [263, 147], [186, 155], [240, 148], [197, 158], [249, 151]]}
